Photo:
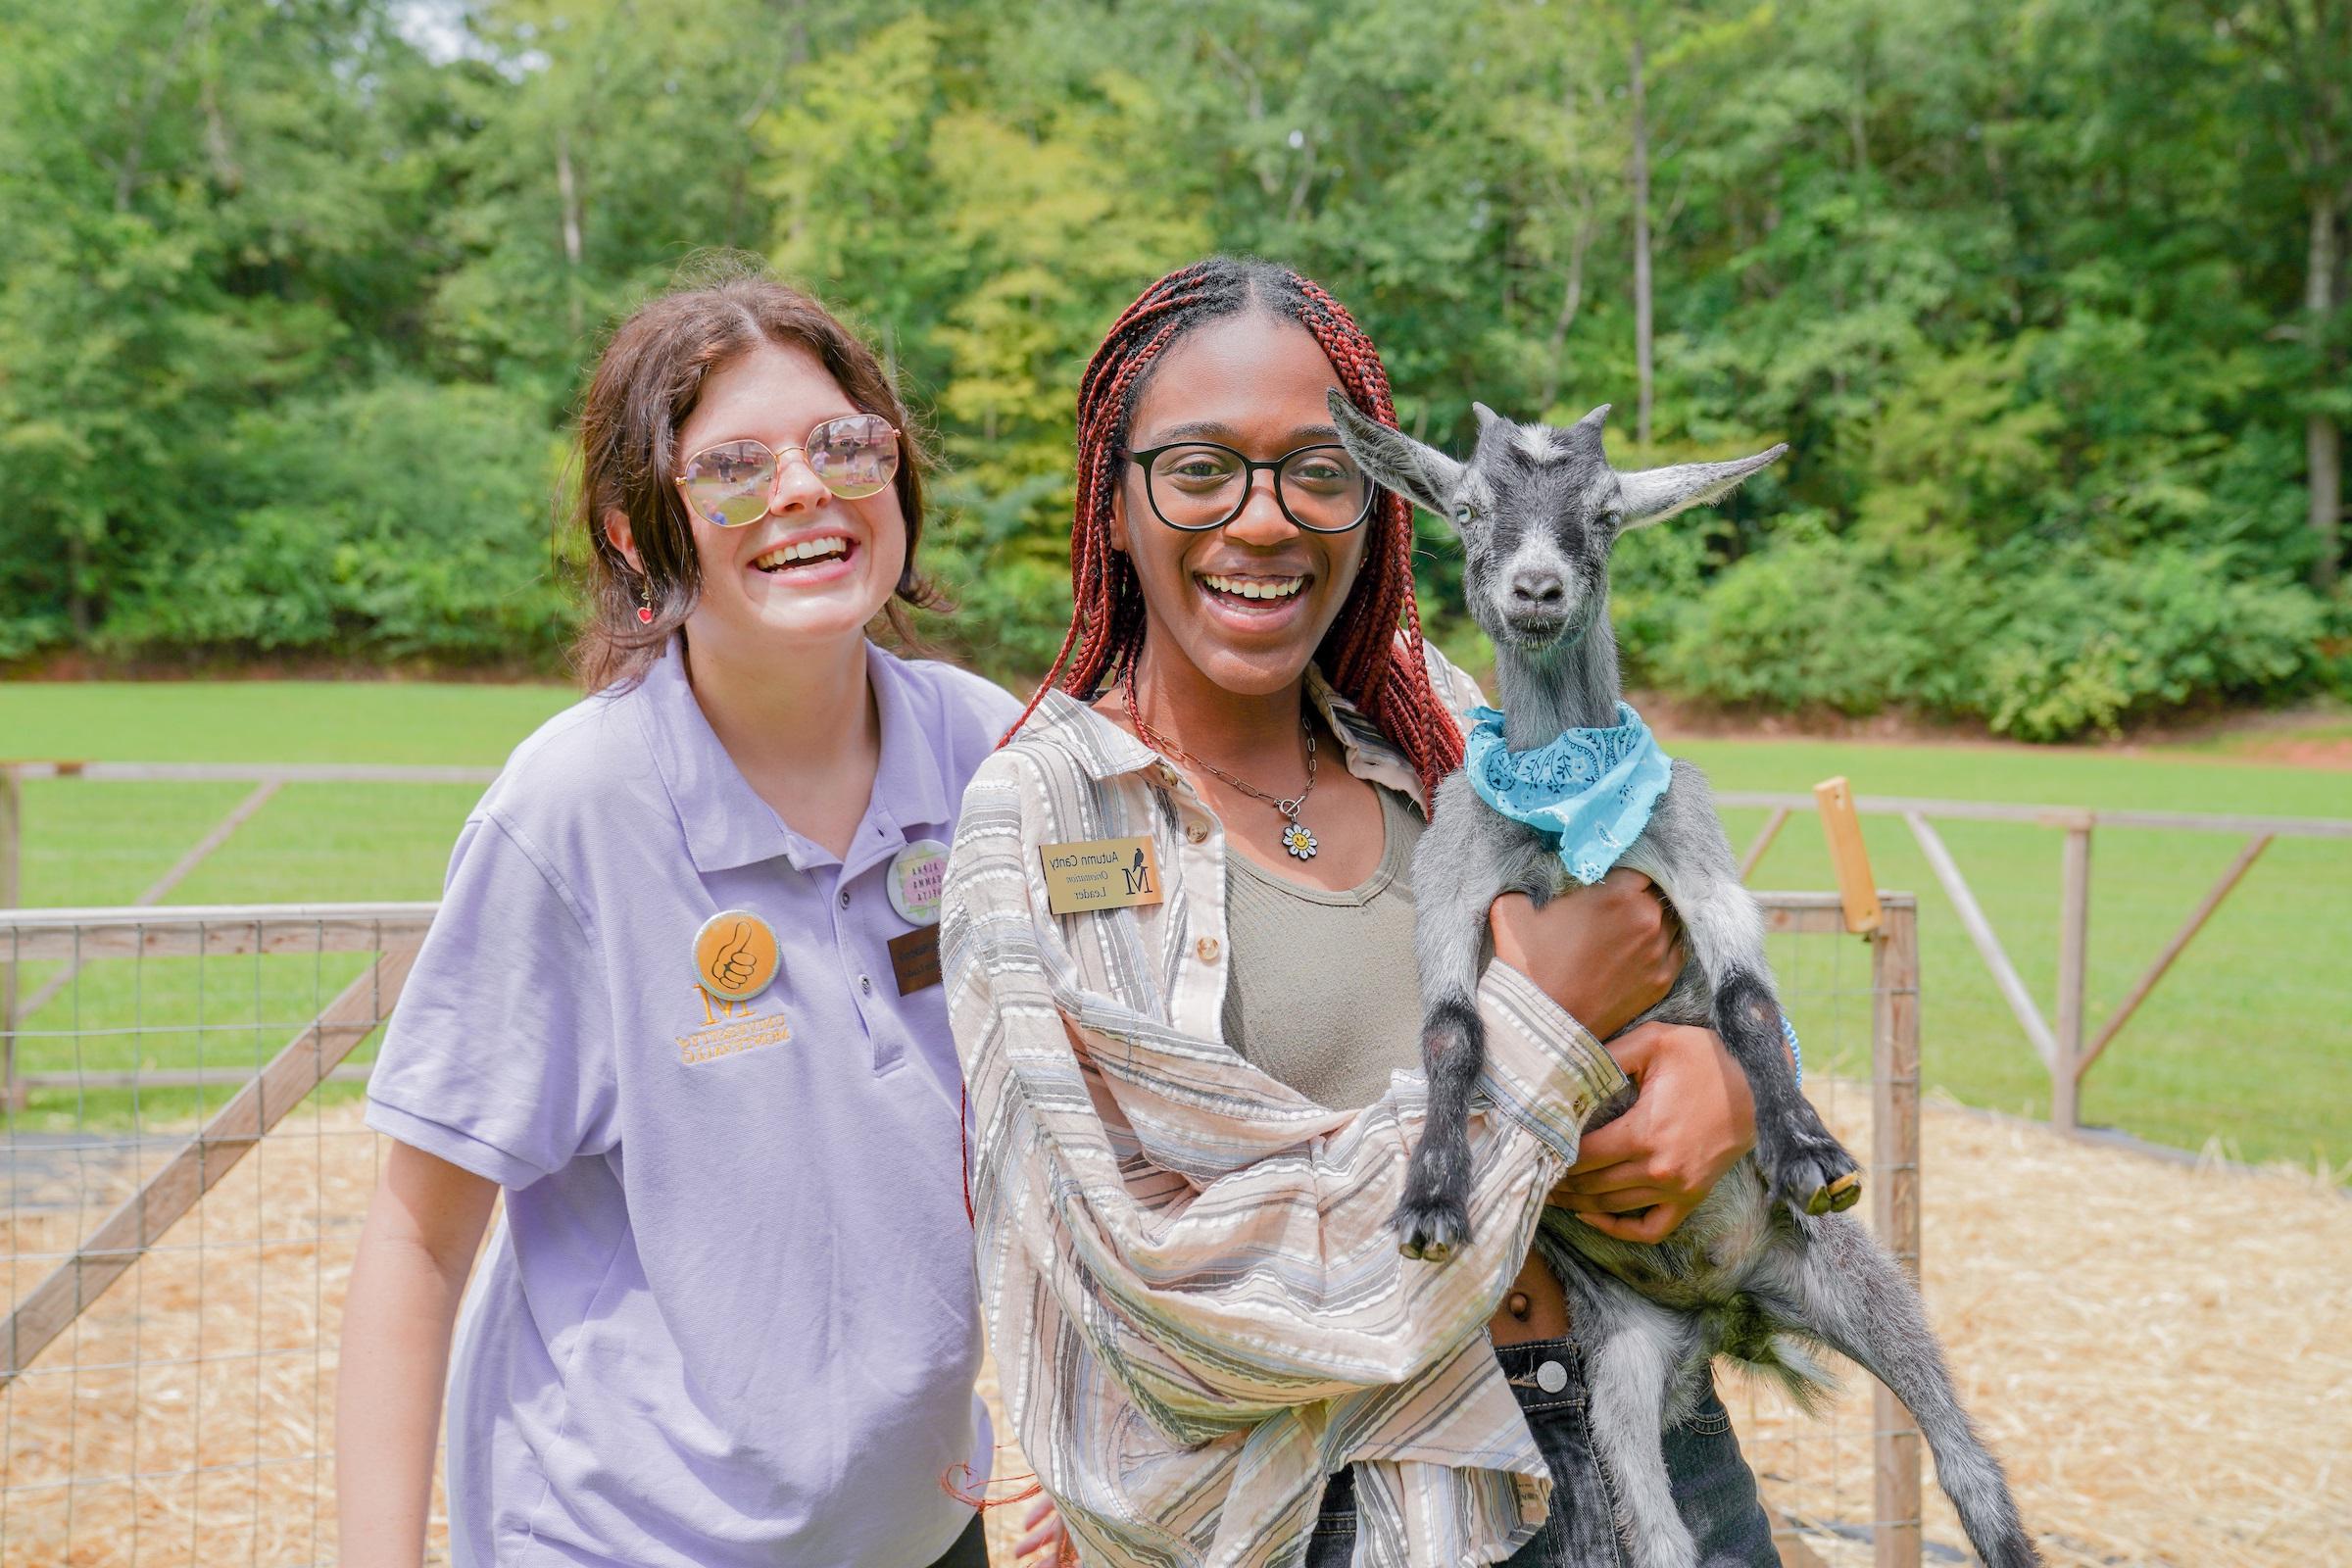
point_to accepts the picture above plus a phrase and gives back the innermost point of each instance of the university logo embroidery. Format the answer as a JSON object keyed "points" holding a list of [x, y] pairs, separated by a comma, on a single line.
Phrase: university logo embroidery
{"points": [[717, 1008], [730, 1028]]}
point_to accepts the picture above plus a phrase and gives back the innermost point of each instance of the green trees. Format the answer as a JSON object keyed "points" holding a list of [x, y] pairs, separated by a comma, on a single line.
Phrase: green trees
{"points": [[2050, 300]]}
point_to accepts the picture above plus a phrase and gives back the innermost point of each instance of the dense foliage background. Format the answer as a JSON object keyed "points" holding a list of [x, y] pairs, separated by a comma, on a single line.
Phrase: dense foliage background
{"points": [[2048, 298]]}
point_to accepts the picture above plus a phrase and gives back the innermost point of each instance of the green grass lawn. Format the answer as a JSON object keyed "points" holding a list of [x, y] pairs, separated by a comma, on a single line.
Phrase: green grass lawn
{"points": [[2246, 1042]]}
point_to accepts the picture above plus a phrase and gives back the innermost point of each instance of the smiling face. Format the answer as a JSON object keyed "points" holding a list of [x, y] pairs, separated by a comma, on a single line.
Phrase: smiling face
{"points": [[814, 568], [1538, 509], [1246, 605]]}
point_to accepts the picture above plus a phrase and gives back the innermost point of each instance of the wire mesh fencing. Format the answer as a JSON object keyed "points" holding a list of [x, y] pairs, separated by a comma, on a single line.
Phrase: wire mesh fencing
{"points": [[188, 1172], [1844, 1485], [187, 1176]]}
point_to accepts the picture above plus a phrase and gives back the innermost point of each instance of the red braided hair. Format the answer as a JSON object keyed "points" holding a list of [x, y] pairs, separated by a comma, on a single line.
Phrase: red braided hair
{"points": [[1363, 656]]}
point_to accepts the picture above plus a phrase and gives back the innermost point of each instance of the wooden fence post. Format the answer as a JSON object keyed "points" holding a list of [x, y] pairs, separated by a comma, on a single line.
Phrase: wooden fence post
{"points": [[1895, 1533], [1857, 889], [2074, 941], [12, 816]]}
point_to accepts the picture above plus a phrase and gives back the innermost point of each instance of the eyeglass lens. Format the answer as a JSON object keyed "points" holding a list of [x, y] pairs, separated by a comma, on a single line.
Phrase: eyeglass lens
{"points": [[729, 484], [1319, 488]]}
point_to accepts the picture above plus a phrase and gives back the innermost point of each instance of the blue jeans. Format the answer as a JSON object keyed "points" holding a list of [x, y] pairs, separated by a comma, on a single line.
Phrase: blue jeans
{"points": [[1712, 1485]]}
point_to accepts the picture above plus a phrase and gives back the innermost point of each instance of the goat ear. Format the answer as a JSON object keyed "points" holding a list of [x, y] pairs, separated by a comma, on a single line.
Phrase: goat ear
{"points": [[1655, 494], [1487, 417], [1395, 460]]}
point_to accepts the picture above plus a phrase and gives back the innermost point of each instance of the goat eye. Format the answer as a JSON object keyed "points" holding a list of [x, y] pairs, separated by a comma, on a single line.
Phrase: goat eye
{"points": [[1461, 513]]}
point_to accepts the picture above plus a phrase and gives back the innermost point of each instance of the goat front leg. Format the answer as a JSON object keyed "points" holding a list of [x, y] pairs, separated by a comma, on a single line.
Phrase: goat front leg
{"points": [[1465, 861], [1685, 852]]}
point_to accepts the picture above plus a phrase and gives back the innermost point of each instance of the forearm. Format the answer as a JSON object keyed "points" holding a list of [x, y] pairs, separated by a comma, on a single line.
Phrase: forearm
{"points": [[1201, 1328], [406, 1284]]}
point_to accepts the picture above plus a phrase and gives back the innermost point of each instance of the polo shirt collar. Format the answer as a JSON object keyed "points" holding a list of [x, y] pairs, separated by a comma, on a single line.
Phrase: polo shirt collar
{"points": [[1103, 750], [725, 822]]}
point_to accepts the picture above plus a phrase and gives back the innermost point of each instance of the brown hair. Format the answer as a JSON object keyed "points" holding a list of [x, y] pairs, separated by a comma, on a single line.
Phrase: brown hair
{"points": [[647, 382], [1372, 655]]}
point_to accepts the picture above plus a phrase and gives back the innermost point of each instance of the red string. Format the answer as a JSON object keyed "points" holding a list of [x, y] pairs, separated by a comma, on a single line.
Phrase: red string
{"points": [[963, 1150], [1066, 1554]]}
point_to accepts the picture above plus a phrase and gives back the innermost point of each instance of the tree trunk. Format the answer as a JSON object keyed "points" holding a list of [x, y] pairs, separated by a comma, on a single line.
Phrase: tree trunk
{"points": [[567, 190], [77, 577], [1572, 294], [1641, 172], [2322, 439]]}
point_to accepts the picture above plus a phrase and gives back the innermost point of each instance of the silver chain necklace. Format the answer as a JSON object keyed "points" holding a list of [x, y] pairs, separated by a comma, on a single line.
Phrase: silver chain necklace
{"points": [[1297, 840]]}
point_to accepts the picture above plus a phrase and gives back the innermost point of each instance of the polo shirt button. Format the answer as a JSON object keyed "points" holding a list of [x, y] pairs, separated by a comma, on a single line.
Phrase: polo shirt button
{"points": [[865, 983], [1197, 832], [1166, 777], [844, 898], [1207, 948]]}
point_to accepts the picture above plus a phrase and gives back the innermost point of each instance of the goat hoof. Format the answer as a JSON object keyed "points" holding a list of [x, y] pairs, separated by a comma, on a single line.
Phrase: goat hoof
{"points": [[1429, 1233], [1837, 1197], [1811, 1172]]}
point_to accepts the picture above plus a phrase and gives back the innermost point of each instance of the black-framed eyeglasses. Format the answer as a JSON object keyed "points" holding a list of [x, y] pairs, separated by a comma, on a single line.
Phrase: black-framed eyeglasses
{"points": [[1199, 485]]}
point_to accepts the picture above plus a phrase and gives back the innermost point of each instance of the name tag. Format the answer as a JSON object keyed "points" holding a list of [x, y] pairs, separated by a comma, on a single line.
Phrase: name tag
{"points": [[915, 958], [1100, 874]]}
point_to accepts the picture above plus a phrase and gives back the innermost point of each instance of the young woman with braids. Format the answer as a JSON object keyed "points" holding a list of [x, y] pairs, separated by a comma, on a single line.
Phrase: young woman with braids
{"points": [[1177, 931]]}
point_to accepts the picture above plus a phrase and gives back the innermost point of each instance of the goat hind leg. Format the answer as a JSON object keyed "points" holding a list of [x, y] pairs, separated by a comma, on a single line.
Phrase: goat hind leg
{"points": [[1633, 1348], [1860, 1303]]}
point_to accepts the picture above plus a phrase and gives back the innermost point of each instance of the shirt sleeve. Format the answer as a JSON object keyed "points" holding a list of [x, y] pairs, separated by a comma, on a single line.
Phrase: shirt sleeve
{"points": [[499, 1057], [1221, 1245]]}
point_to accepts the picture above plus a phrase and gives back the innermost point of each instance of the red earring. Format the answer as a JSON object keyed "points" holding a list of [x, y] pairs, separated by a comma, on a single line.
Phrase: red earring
{"points": [[645, 610]]}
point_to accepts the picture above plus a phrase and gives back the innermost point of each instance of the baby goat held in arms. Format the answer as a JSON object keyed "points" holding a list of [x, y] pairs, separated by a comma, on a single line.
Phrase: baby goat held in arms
{"points": [[1564, 782]]}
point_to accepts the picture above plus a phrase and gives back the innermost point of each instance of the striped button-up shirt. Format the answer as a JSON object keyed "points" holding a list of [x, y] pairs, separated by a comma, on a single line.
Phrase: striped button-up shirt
{"points": [[1187, 1269]]}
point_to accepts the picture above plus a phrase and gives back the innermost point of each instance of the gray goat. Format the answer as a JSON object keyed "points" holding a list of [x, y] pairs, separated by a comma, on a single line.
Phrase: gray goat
{"points": [[1765, 1266]]}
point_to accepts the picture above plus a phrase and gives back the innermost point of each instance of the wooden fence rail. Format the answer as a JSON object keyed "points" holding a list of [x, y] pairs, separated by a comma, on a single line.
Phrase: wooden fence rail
{"points": [[2058, 1039]]}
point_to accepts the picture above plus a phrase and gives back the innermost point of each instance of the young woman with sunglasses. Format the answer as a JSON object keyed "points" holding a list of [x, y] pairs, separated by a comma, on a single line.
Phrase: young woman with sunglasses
{"points": [[1195, 1089], [680, 1004]]}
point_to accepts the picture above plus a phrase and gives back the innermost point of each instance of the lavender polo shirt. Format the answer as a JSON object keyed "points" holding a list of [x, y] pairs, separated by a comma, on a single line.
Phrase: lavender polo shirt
{"points": [[728, 1317]]}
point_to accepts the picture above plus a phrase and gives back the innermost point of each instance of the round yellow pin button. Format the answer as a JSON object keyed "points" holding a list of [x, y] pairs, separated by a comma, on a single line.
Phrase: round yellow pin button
{"points": [[735, 955]]}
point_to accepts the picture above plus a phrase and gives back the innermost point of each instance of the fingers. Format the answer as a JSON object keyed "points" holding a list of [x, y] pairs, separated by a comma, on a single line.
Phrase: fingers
{"points": [[1620, 1176], [1624, 1201], [1045, 1530]]}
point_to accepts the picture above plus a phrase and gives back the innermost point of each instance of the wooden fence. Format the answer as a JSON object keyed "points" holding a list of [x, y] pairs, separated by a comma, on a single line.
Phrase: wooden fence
{"points": [[266, 780], [2059, 1040], [166, 1360]]}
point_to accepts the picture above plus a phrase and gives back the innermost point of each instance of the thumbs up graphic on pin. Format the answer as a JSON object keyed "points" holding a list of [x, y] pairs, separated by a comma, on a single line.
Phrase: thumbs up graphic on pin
{"points": [[732, 963]]}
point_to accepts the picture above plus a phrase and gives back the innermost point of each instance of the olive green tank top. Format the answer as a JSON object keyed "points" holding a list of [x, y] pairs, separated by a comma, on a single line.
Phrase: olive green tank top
{"points": [[1322, 993]]}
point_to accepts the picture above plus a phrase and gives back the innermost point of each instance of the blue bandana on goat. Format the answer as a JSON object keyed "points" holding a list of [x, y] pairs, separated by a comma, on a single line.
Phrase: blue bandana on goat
{"points": [[1590, 791]]}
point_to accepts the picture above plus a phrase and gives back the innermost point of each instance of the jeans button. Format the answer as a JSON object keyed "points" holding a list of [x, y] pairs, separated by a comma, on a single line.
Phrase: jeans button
{"points": [[1551, 1377]]}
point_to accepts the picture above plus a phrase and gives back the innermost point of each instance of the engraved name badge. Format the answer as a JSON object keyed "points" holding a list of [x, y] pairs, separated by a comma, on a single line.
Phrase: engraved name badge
{"points": [[915, 960], [1100, 874]]}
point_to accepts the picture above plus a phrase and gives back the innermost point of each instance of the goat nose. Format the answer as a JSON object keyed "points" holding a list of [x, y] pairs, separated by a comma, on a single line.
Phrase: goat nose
{"points": [[1540, 589]]}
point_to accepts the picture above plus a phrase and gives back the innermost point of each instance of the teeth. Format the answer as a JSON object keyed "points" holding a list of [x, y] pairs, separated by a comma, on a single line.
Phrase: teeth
{"points": [[1255, 587], [805, 550]]}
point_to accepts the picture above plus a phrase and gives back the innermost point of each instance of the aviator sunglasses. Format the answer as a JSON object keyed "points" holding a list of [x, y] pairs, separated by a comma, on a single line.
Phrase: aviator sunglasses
{"points": [[730, 485]]}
